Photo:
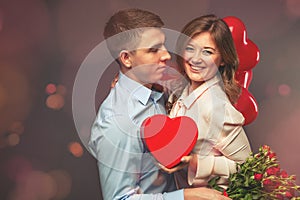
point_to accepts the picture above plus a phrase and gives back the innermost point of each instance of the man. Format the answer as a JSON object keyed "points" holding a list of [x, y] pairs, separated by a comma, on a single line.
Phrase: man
{"points": [[126, 169]]}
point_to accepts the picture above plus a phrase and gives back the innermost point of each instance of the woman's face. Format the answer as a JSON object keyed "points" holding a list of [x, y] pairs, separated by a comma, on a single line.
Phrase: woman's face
{"points": [[201, 59]]}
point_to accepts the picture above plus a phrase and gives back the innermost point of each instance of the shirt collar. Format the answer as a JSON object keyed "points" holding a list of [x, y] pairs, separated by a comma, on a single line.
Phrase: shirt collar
{"points": [[188, 99], [139, 91]]}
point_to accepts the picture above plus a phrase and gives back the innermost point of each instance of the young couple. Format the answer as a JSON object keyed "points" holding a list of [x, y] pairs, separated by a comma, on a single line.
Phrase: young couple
{"points": [[207, 57]]}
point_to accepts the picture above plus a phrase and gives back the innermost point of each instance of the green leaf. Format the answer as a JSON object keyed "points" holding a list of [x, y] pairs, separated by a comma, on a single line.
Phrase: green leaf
{"points": [[212, 183], [248, 197]]}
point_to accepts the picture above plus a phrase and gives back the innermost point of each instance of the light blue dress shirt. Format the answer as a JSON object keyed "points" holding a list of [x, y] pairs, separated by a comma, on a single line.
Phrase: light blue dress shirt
{"points": [[126, 169]]}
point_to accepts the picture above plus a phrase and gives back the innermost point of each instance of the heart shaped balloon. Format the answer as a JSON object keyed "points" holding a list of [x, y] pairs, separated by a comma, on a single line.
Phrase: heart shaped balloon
{"points": [[169, 139], [248, 55], [247, 51], [247, 105], [244, 78]]}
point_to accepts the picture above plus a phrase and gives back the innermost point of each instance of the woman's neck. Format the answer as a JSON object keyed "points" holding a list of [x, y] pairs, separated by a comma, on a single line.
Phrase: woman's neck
{"points": [[194, 85]]}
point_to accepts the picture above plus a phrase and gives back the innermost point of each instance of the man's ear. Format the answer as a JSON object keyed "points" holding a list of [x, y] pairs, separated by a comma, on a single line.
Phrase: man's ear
{"points": [[125, 58]]}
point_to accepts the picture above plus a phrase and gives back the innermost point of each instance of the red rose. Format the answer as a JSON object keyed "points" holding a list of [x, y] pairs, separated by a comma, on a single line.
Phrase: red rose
{"points": [[290, 183], [288, 194], [276, 184], [279, 196], [225, 193], [272, 171], [267, 182], [271, 155], [283, 174], [258, 177], [293, 177], [266, 147]]}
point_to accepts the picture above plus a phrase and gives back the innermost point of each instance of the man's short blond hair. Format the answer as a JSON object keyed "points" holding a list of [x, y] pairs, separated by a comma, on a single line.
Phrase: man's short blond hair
{"points": [[123, 30]]}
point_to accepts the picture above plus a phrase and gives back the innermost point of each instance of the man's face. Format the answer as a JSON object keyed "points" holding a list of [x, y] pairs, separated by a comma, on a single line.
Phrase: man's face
{"points": [[148, 61]]}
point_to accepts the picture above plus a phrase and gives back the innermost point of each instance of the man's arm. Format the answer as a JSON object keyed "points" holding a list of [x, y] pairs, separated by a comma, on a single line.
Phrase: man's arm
{"points": [[120, 171], [119, 158]]}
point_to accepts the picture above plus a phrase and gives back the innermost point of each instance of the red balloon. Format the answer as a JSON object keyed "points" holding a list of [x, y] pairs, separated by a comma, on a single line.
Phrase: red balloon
{"points": [[247, 105], [248, 56], [248, 52], [244, 78], [237, 28]]}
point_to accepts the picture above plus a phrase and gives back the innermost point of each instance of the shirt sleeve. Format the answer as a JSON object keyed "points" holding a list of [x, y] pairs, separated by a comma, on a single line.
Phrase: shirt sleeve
{"points": [[119, 162], [233, 146], [176, 195]]}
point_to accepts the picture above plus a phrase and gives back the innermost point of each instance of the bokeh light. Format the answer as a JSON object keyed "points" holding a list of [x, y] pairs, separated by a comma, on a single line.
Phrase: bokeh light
{"points": [[63, 182], [55, 101], [36, 185], [13, 139], [17, 127], [33, 184], [61, 89], [50, 88], [15, 98], [17, 168], [284, 90], [76, 149]]}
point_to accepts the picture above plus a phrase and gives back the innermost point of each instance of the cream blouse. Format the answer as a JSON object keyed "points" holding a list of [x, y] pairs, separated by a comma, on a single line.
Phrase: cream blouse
{"points": [[222, 141]]}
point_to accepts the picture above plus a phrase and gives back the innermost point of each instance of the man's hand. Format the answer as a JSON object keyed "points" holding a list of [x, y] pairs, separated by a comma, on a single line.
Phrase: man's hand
{"points": [[114, 81], [203, 193], [184, 162]]}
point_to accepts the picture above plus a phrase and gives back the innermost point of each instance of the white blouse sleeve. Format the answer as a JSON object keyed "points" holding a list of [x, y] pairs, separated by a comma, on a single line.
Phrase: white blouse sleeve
{"points": [[233, 146]]}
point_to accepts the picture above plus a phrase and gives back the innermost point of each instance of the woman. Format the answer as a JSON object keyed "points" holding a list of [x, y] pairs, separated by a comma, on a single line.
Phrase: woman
{"points": [[208, 59]]}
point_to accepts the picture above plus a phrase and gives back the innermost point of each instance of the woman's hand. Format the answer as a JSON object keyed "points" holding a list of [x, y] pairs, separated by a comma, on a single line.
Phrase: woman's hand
{"points": [[184, 162]]}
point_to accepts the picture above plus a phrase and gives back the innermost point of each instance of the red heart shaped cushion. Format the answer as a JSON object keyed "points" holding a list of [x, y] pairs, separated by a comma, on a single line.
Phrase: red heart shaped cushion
{"points": [[169, 139]]}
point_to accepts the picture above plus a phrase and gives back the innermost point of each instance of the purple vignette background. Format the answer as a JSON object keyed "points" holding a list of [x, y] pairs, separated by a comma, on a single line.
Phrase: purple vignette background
{"points": [[44, 42]]}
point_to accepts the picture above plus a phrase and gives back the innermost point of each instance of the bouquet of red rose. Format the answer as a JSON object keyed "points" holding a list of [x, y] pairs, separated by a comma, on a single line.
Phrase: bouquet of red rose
{"points": [[260, 177]]}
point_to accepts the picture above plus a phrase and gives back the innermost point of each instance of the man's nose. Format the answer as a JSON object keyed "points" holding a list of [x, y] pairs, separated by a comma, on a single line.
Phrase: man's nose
{"points": [[165, 54]]}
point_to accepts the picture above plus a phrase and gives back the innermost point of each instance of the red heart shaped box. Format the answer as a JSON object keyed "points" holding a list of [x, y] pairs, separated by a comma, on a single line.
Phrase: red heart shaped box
{"points": [[169, 139]]}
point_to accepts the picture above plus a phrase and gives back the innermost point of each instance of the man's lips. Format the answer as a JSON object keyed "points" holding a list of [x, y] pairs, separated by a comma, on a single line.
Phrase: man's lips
{"points": [[162, 67]]}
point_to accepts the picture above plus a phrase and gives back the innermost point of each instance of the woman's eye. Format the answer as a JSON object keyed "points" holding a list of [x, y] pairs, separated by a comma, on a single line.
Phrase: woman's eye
{"points": [[189, 49], [207, 52]]}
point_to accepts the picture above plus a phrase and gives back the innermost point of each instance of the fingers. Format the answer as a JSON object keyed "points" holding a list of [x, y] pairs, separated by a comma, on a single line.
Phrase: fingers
{"points": [[172, 170], [186, 159], [165, 169], [184, 162], [219, 195], [115, 80]]}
